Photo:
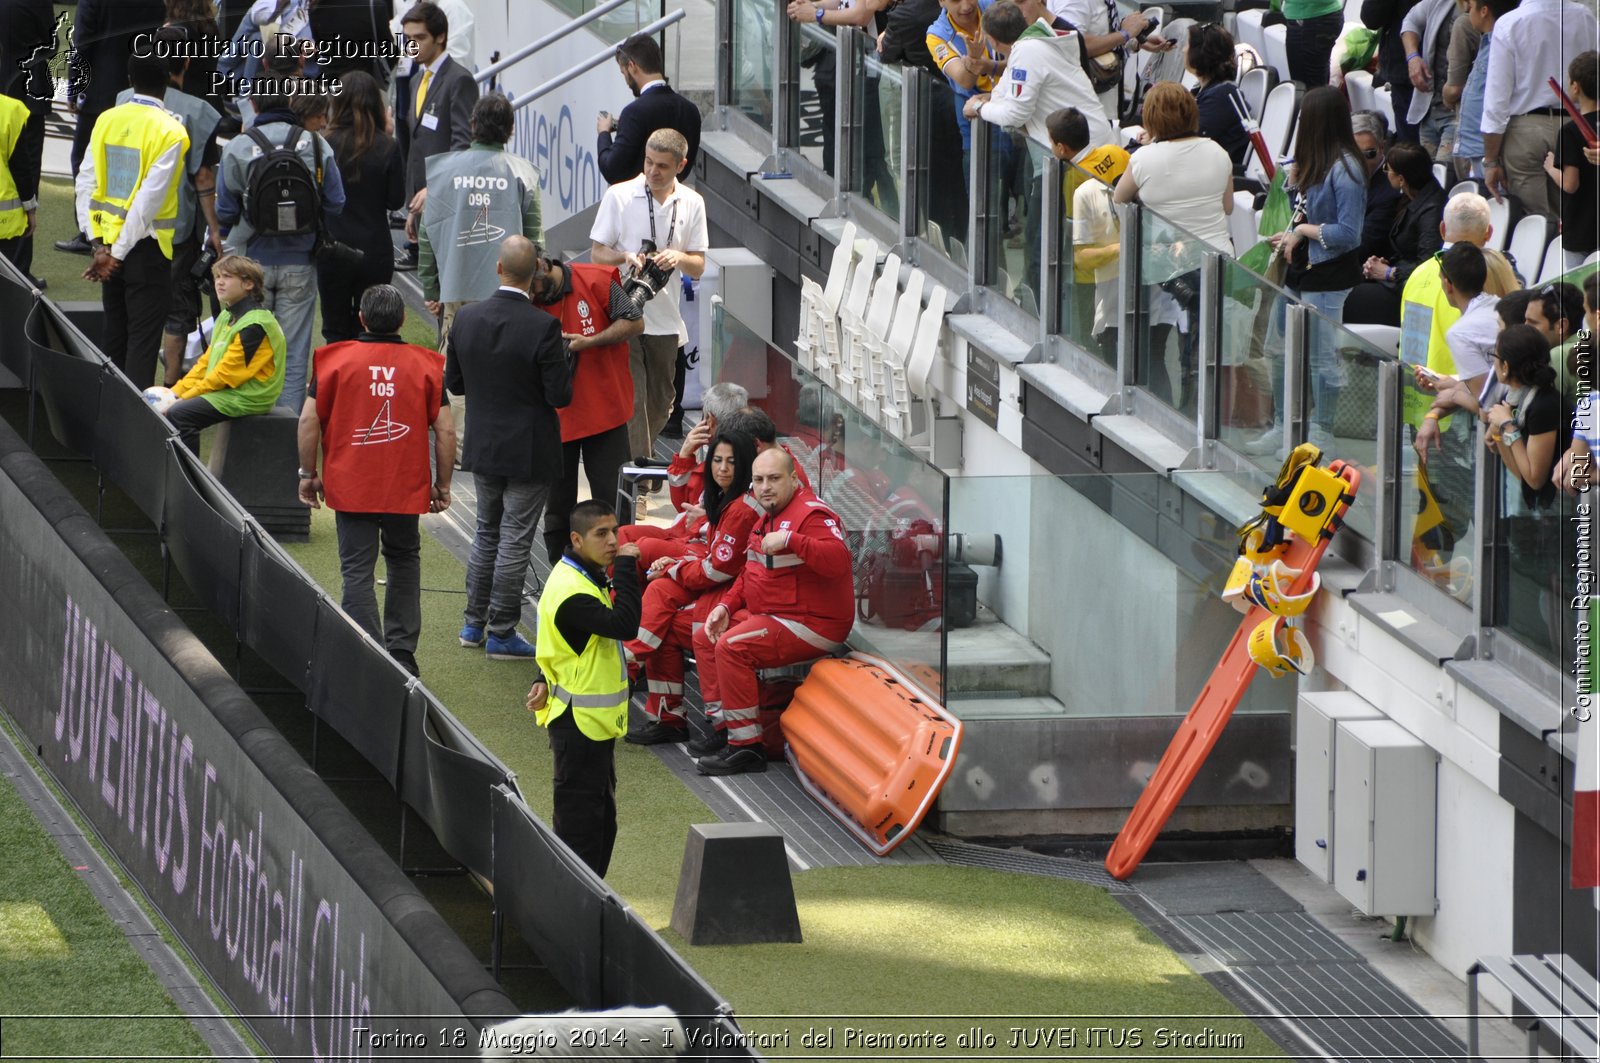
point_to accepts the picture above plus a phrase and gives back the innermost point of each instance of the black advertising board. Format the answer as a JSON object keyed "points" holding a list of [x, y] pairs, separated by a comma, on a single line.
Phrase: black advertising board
{"points": [[205, 805], [983, 387]]}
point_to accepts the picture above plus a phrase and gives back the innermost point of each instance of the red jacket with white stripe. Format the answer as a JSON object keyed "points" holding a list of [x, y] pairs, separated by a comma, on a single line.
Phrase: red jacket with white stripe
{"points": [[725, 549], [686, 477], [807, 585]]}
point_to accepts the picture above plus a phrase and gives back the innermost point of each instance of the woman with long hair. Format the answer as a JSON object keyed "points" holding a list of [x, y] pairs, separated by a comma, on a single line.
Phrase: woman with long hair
{"points": [[1414, 235], [1210, 58], [1323, 247], [683, 589], [375, 183]]}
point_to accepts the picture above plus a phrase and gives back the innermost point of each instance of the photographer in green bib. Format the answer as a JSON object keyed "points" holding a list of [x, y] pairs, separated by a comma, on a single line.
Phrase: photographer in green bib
{"points": [[581, 695]]}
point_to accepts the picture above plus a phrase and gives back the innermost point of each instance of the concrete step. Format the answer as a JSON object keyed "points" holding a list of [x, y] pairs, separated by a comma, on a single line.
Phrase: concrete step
{"points": [[976, 710], [988, 657]]}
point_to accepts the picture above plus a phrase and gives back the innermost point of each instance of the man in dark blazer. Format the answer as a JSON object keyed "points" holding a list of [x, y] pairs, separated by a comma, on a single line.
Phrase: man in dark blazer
{"points": [[102, 39], [27, 46], [621, 151], [442, 94], [508, 359]]}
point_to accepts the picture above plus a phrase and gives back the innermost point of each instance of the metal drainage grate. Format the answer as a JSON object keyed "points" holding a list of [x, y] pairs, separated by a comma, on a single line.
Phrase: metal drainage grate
{"points": [[963, 854]]}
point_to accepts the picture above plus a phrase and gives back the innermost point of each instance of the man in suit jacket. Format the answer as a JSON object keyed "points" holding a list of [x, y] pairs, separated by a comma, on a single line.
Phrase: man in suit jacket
{"points": [[621, 151], [27, 44], [440, 114], [506, 356]]}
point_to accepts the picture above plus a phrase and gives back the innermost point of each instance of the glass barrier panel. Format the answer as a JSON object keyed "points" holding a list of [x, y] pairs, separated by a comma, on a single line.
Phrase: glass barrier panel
{"points": [[1089, 249], [1438, 477], [819, 76], [1250, 378], [891, 503], [878, 148], [1130, 620], [752, 60], [1344, 408], [1016, 165], [1167, 331], [943, 208], [1536, 566]]}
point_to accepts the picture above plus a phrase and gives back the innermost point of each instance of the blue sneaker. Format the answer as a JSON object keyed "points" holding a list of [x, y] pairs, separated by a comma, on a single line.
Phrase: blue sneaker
{"points": [[471, 637], [511, 648]]}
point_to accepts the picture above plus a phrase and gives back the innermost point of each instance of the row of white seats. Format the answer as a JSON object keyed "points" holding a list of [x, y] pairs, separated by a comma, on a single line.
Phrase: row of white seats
{"points": [[865, 338]]}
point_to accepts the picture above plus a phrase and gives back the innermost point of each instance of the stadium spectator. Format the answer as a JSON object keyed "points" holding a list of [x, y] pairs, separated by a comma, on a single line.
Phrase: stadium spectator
{"points": [[656, 105], [581, 694], [508, 362], [1383, 198], [1528, 427], [97, 69], [1466, 220], [1522, 116], [375, 472], [374, 179], [439, 115], [1577, 178], [683, 588], [197, 227], [904, 41], [1414, 236], [130, 211], [1188, 181], [1386, 17], [1556, 311], [1575, 471], [1044, 73], [25, 25], [1096, 232], [203, 35], [241, 372], [1482, 15], [1108, 37], [289, 259], [1210, 58], [1468, 351], [654, 206], [1426, 32], [1314, 26], [1460, 54], [795, 602], [597, 321], [966, 57]]}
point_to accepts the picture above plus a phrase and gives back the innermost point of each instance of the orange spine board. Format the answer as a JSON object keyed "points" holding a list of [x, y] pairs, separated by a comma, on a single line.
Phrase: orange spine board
{"points": [[869, 748], [1213, 708]]}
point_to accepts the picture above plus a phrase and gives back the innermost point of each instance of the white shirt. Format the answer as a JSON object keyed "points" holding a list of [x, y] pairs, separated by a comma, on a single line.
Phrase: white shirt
{"points": [[1472, 338], [1094, 224], [147, 199], [1534, 42], [623, 223], [1043, 75], [461, 44], [1183, 181]]}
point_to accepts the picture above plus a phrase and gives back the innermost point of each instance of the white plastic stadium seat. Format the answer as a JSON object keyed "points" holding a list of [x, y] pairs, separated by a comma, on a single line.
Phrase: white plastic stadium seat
{"points": [[1277, 121], [919, 364], [1243, 224], [1254, 85], [1358, 85], [839, 268], [867, 348], [896, 350], [1384, 337], [1463, 188], [1277, 53], [1527, 246], [1555, 262], [1251, 31], [851, 318], [1500, 218], [1383, 103]]}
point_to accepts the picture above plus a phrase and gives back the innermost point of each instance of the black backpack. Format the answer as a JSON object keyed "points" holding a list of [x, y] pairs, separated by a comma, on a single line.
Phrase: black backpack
{"points": [[283, 197]]}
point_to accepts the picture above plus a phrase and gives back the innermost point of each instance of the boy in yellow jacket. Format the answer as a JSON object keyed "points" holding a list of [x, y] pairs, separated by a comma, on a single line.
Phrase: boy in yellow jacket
{"points": [[241, 372]]}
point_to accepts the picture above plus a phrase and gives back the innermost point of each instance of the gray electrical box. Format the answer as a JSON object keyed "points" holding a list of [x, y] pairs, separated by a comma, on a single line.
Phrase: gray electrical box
{"points": [[1385, 786], [1317, 719]]}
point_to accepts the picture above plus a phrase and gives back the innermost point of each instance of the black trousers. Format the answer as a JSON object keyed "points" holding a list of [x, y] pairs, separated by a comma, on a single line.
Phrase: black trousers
{"points": [[585, 792], [604, 455], [136, 300], [1310, 45], [190, 417], [19, 249], [340, 291]]}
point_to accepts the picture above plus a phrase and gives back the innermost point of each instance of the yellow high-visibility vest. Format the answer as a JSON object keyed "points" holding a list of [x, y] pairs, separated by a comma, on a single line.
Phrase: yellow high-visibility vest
{"points": [[13, 118], [127, 140], [594, 683]]}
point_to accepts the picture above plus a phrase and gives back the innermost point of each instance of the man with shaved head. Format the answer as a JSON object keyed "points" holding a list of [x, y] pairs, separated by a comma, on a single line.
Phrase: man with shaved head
{"points": [[793, 601], [507, 359]]}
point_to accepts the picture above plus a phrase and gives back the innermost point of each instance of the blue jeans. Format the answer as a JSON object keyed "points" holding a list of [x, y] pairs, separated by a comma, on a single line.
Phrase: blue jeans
{"points": [[360, 535], [1328, 371], [291, 295], [497, 568]]}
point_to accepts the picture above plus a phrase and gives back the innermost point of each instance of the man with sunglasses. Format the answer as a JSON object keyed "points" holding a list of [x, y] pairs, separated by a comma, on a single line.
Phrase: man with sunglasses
{"points": [[1556, 310]]}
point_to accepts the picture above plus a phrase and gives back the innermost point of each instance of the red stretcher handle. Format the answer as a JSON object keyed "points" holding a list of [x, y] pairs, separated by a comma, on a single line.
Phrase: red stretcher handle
{"points": [[1577, 116]]}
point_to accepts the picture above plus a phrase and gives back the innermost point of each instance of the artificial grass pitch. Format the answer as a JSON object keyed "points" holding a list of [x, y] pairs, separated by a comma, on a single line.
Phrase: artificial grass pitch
{"points": [[937, 950], [71, 987]]}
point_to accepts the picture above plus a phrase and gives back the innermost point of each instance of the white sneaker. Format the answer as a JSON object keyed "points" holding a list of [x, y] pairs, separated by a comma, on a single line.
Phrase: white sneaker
{"points": [[1268, 442], [1324, 441]]}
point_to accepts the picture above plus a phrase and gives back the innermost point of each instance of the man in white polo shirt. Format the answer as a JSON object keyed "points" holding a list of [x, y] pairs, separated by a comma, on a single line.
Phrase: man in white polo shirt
{"points": [[654, 207]]}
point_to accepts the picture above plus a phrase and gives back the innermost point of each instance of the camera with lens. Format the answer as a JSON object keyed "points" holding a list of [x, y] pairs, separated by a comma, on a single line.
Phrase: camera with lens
{"points": [[203, 264], [642, 284]]}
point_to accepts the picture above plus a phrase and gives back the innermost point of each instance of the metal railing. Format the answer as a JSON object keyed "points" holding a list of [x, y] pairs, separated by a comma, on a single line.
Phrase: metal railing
{"points": [[593, 61]]}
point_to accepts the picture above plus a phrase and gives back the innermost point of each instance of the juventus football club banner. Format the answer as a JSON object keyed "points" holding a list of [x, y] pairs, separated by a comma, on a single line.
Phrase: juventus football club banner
{"points": [[208, 808]]}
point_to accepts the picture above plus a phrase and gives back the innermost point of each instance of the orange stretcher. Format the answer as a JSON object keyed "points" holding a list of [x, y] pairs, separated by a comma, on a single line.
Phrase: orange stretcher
{"points": [[1198, 733], [869, 747]]}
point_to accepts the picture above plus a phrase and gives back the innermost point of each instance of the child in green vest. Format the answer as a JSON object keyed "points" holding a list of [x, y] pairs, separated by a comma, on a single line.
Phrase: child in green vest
{"points": [[241, 372]]}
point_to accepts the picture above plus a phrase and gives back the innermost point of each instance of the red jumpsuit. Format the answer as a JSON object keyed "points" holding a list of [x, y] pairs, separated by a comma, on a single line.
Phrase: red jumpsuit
{"points": [[686, 477], [676, 604], [794, 605]]}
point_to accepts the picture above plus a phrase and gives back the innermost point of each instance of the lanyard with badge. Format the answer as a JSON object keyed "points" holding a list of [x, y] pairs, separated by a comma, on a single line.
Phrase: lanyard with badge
{"points": [[672, 221]]}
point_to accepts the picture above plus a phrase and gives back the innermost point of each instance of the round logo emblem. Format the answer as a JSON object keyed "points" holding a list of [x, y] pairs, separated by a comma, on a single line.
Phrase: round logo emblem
{"points": [[1312, 504], [583, 308], [724, 552]]}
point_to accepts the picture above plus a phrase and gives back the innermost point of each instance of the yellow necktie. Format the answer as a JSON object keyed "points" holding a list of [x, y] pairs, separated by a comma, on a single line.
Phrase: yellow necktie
{"points": [[422, 90]]}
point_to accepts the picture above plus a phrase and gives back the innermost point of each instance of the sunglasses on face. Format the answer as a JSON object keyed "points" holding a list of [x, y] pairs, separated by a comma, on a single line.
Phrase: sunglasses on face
{"points": [[1371, 153]]}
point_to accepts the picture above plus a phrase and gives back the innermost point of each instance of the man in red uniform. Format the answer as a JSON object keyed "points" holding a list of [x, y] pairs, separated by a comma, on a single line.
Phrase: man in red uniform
{"points": [[794, 601], [597, 320], [371, 402]]}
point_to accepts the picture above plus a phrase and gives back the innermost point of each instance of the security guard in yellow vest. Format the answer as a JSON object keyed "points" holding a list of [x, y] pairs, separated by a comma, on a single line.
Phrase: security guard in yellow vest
{"points": [[582, 695], [127, 198], [16, 214]]}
